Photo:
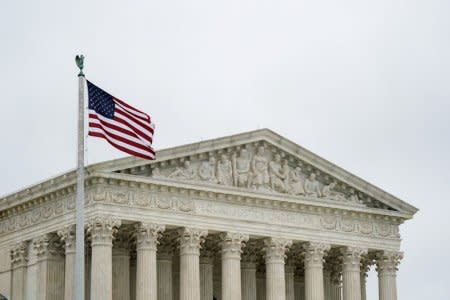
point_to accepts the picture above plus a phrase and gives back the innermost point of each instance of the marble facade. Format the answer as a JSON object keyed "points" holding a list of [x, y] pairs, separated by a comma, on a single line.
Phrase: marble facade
{"points": [[251, 216]]}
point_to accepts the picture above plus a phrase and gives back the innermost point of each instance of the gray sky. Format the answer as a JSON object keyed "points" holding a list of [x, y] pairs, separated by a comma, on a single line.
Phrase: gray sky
{"points": [[364, 84]]}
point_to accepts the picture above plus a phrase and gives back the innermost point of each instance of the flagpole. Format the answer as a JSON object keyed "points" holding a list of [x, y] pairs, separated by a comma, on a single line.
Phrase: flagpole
{"points": [[79, 235]]}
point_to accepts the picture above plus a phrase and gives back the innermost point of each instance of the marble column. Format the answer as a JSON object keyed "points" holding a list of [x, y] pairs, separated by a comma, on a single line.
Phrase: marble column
{"points": [[260, 285], [121, 272], [165, 277], [299, 286], [314, 252], [351, 272], [102, 230], [275, 253], [87, 269], [176, 275], [217, 278], [231, 264], [387, 263], [290, 289], [67, 236], [363, 286], [336, 290], [19, 270], [50, 271], [206, 278], [365, 268], [147, 235], [133, 276], [190, 243], [327, 283], [248, 279]]}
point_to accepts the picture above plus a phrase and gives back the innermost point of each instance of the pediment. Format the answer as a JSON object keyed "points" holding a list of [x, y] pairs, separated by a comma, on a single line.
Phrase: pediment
{"points": [[261, 162]]}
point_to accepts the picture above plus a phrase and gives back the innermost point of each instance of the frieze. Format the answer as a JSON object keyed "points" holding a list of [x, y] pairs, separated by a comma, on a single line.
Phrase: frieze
{"points": [[206, 204]]}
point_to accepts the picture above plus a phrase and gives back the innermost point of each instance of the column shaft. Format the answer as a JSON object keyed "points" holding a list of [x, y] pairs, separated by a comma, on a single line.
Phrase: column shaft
{"points": [[248, 278], [299, 286], [165, 287], [327, 284], [336, 291], [314, 288], [67, 235], [146, 266], [231, 265], [206, 278], [351, 272], [50, 269], [387, 263], [102, 229], [261, 286], [121, 274], [363, 286], [290, 290], [133, 278], [275, 281], [190, 240]]}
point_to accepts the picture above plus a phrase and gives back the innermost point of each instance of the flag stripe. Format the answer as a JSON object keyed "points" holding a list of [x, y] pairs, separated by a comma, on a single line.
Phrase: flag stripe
{"points": [[123, 142], [119, 135], [117, 126], [121, 148], [133, 110], [139, 133], [142, 124]]}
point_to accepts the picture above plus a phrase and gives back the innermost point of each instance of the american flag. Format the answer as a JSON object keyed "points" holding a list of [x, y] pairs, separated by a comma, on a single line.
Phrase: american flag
{"points": [[123, 126]]}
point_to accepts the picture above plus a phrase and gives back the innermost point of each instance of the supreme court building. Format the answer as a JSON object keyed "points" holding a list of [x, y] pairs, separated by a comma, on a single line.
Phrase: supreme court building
{"points": [[251, 216]]}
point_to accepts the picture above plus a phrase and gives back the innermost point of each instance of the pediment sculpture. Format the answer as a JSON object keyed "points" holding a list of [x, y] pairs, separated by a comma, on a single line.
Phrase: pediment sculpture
{"points": [[255, 168]]}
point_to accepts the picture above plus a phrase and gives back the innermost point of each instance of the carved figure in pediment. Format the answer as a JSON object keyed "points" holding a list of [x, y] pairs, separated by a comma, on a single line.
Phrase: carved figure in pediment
{"points": [[329, 192], [187, 172], [207, 170], [286, 173], [312, 186], [260, 177], [224, 171], [241, 168], [276, 174], [156, 173], [296, 182], [353, 197]]}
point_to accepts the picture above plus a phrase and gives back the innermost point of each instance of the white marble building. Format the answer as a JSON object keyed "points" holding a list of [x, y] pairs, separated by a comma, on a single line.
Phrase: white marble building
{"points": [[250, 216]]}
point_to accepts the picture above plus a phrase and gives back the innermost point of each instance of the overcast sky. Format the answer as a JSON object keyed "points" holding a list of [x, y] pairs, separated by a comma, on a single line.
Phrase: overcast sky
{"points": [[364, 84]]}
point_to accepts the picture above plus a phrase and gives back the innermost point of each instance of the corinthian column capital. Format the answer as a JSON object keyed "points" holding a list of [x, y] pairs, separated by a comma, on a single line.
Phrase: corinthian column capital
{"points": [[147, 235], [314, 253], [103, 229], [19, 255], [67, 236], [387, 262], [191, 239], [352, 258], [232, 243], [275, 249]]}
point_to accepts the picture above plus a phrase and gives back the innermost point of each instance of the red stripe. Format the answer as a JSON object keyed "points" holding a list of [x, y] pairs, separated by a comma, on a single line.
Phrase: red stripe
{"points": [[131, 107], [118, 128], [137, 131], [126, 150], [131, 117], [122, 139]]}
